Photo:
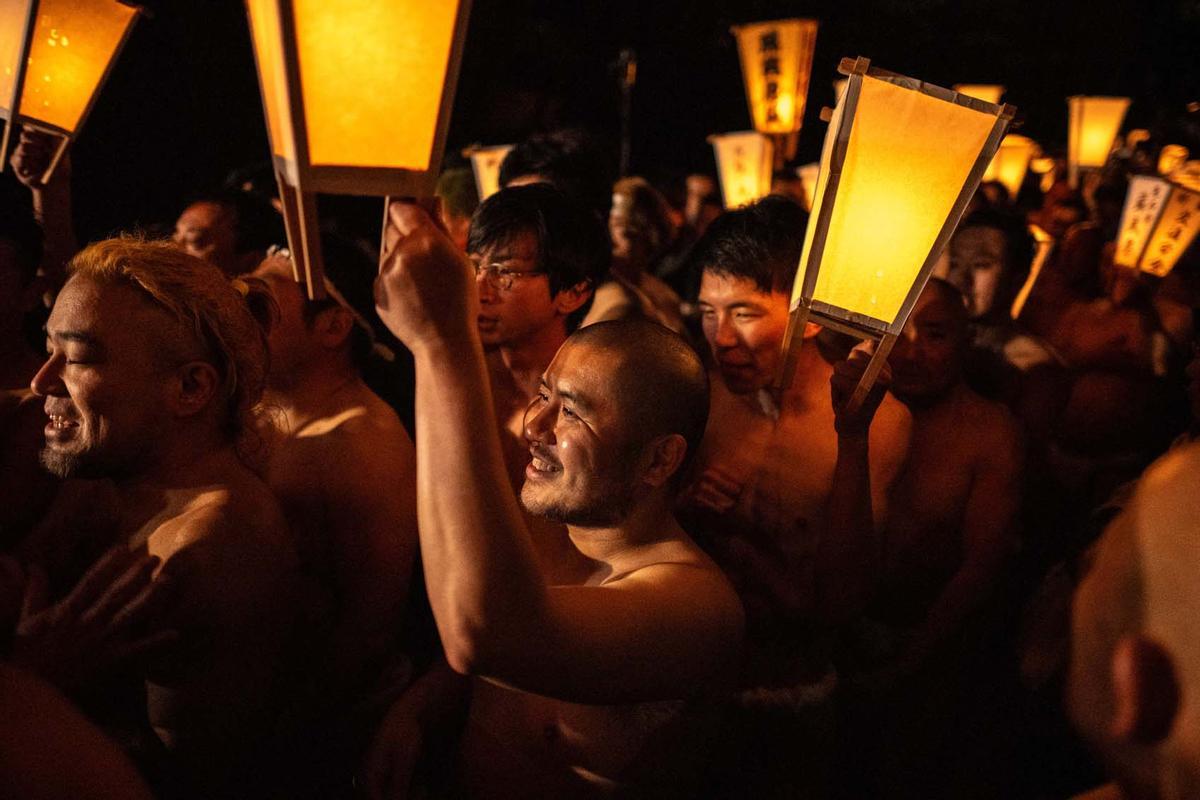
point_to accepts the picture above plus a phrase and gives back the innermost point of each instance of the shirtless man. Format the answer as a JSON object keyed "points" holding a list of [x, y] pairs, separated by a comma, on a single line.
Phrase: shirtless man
{"points": [[1134, 677], [342, 465], [571, 678], [230, 230], [949, 535], [952, 511], [155, 364], [789, 491]]}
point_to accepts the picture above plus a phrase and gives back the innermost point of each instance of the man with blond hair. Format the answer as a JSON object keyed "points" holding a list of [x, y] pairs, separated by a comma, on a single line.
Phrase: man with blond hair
{"points": [[155, 364]]}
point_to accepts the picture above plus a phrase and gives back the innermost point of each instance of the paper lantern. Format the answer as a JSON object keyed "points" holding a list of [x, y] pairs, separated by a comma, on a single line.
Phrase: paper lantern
{"points": [[744, 161], [1158, 223], [1043, 246], [776, 64], [1011, 162], [54, 57], [485, 163], [808, 179], [1092, 126], [1171, 158], [1046, 167], [357, 97], [839, 86], [987, 92], [900, 163]]}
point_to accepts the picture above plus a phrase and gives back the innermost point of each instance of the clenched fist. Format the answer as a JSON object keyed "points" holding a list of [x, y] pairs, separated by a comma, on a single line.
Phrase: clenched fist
{"points": [[425, 292]]}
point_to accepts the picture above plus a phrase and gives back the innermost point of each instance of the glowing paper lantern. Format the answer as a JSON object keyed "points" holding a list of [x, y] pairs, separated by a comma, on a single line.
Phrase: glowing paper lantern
{"points": [[54, 57], [1011, 162], [357, 97], [1043, 245], [776, 64], [1171, 158], [1160, 220], [1093, 125], [485, 163], [808, 179], [987, 92], [900, 163], [744, 162]]}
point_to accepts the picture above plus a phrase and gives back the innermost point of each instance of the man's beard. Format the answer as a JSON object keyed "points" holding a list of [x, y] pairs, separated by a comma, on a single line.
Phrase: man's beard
{"points": [[86, 464], [608, 503]]}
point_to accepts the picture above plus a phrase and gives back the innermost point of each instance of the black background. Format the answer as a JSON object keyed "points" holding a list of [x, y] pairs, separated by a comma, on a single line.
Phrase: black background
{"points": [[182, 108]]}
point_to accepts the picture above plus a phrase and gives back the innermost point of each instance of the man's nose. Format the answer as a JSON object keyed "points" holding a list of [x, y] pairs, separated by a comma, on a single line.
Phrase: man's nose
{"points": [[48, 380], [725, 334], [487, 292], [539, 422]]}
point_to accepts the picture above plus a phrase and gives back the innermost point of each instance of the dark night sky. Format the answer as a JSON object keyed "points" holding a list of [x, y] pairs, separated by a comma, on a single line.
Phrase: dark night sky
{"points": [[182, 108]]}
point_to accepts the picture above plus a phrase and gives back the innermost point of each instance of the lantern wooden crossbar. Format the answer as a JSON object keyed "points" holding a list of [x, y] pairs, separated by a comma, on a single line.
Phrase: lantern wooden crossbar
{"points": [[357, 97], [776, 59], [485, 165], [1160, 220], [900, 163], [1092, 127], [744, 162], [54, 57]]}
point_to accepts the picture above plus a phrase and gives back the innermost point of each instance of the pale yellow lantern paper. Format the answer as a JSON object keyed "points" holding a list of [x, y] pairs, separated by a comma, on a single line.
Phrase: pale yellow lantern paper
{"points": [[54, 57], [1092, 126], [1011, 162], [987, 92], [744, 161], [1160, 220], [485, 163], [900, 162], [1171, 158], [357, 97], [808, 179]]}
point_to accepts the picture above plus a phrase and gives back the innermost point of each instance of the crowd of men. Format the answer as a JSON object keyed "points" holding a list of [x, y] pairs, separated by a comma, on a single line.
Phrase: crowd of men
{"points": [[518, 507]]}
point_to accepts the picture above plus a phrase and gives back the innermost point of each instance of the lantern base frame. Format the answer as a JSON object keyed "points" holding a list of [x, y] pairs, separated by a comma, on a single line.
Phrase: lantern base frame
{"points": [[41, 127], [793, 340]]}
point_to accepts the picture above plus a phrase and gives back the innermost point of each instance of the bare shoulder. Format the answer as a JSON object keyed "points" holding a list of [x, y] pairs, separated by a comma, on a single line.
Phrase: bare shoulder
{"points": [[365, 436], [240, 510], [677, 569]]}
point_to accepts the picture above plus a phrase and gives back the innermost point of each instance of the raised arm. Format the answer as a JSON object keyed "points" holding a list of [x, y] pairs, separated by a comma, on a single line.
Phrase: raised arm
{"points": [[650, 636]]}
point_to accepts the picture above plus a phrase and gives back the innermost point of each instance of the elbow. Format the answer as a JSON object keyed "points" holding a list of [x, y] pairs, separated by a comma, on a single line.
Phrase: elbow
{"points": [[467, 645]]}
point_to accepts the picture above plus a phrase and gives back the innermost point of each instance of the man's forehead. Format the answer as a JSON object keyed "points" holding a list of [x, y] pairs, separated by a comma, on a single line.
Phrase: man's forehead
{"points": [[521, 243], [581, 370], [715, 286], [102, 310]]}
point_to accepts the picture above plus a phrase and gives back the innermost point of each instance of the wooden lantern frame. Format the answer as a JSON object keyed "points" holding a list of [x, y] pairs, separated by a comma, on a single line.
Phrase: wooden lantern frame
{"points": [[884, 333], [14, 117], [300, 180]]}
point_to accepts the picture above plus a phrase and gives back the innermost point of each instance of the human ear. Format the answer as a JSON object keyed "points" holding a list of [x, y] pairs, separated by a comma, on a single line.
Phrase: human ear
{"points": [[569, 300], [1145, 691], [664, 455], [332, 326], [811, 329], [197, 382]]}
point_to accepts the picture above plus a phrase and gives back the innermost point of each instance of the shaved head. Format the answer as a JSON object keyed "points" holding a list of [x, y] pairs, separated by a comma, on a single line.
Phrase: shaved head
{"points": [[659, 383]]}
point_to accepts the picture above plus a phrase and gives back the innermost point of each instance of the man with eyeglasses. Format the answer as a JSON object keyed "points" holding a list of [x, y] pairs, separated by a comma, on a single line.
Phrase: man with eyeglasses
{"points": [[538, 256]]}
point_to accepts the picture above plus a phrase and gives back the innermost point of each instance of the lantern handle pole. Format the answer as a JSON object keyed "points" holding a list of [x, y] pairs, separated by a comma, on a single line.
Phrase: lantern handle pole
{"points": [[793, 340], [878, 358], [58, 156]]}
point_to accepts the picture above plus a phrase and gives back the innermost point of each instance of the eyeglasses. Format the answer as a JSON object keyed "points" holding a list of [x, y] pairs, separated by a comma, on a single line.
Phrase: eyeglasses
{"points": [[500, 278]]}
